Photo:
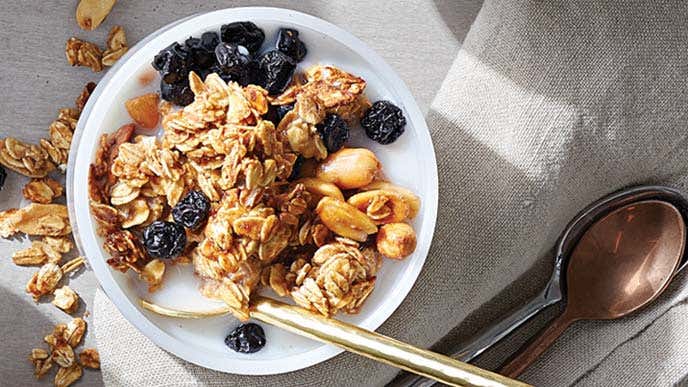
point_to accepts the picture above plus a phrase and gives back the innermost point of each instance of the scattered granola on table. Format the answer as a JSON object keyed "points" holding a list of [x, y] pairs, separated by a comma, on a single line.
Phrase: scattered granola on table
{"points": [[251, 178], [43, 190], [46, 279], [66, 299], [90, 358], [36, 219], [37, 160], [50, 221], [62, 342], [116, 46], [82, 53]]}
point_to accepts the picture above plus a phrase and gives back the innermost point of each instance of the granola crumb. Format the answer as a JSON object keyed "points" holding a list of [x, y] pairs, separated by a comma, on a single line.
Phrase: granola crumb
{"points": [[66, 299], [90, 358]]}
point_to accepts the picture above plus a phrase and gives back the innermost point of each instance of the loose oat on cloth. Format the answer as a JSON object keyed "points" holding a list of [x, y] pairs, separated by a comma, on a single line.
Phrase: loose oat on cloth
{"points": [[546, 108]]}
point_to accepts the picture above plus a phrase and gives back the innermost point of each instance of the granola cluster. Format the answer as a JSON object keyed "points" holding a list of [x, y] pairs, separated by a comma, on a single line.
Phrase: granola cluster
{"points": [[80, 52], [62, 342], [48, 223], [271, 224], [37, 160], [45, 220]]}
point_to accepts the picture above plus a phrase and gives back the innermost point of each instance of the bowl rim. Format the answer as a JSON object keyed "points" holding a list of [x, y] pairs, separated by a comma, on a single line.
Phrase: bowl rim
{"points": [[176, 346]]}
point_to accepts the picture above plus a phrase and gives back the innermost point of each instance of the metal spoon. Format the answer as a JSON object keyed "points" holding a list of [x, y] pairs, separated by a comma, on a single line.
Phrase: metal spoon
{"points": [[552, 292], [621, 263]]}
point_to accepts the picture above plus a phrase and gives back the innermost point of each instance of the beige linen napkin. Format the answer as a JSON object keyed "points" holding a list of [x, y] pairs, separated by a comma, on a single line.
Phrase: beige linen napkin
{"points": [[547, 107]]}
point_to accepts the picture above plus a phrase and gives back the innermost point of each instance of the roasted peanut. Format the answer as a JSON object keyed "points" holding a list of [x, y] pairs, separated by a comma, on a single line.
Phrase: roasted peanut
{"points": [[344, 219], [349, 168], [321, 188], [90, 13], [396, 240], [381, 206], [309, 168], [411, 199]]}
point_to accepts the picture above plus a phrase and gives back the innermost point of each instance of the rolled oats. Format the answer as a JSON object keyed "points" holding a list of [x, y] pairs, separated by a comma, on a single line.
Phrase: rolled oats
{"points": [[82, 99], [43, 190], [303, 136], [90, 358], [74, 331], [36, 219], [57, 336], [67, 376], [63, 354], [44, 281], [66, 299], [83, 53], [116, 46], [73, 264], [27, 159], [38, 354], [152, 273], [59, 244], [38, 253], [42, 362]]}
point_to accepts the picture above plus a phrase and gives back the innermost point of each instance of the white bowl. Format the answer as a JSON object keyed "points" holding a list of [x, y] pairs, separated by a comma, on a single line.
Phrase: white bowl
{"points": [[409, 162]]}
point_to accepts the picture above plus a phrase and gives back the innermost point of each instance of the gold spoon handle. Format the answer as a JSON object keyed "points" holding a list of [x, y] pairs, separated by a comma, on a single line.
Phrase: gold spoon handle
{"points": [[536, 347], [374, 345], [354, 339]]}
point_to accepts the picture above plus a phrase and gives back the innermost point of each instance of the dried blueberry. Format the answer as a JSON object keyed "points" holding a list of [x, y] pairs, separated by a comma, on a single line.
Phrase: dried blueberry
{"points": [[172, 63], [246, 338], [275, 70], [383, 122], [200, 57], [164, 239], [177, 93], [203, 72], [209, 40], [192, 211], [296, 168], [334, 132], [251, 74], [289, 43], [232, 59], [277, 112], [3, 176], [244, 34]]}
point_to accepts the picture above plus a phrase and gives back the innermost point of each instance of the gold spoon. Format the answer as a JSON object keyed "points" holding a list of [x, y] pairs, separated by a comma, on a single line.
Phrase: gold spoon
{"points": [[354, 339], [623, 262]]}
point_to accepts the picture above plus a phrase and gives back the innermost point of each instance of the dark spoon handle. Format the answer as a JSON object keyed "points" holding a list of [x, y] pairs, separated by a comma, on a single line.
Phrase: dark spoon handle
{"points": [[525, 356]]}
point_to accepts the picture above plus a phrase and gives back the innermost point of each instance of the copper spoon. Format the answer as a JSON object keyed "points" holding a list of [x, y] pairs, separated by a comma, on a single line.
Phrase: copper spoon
{"points": [[552, 293], [622, 263]]}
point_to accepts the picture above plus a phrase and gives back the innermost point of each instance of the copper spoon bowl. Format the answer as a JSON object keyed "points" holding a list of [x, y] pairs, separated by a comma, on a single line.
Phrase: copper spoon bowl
{"points": [[620, 264]]}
